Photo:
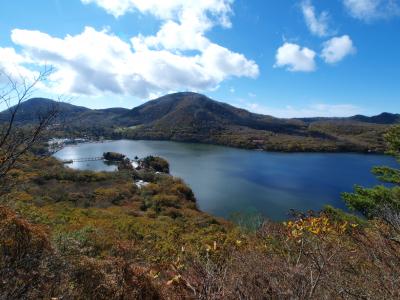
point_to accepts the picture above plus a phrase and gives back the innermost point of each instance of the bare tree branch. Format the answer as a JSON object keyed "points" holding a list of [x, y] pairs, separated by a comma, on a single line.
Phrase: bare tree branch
{"points": [[16, 139]]}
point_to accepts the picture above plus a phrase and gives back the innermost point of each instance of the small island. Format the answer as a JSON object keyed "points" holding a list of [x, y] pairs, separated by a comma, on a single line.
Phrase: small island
{"points": [[113, 156]]}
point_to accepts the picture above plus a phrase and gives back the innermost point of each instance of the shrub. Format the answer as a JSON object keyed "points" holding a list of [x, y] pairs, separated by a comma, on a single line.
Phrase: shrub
{"points": [[27, 262], [183, 190], [112, 279], [20, 241], [155, 163]]}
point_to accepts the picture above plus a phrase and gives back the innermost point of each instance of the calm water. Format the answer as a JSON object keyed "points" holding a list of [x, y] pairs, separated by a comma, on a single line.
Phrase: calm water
{"points": [[227, 180]]}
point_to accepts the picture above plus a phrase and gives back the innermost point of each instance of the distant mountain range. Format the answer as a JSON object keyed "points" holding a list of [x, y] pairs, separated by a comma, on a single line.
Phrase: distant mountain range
{"points": [[383, 118], [197, 118]]}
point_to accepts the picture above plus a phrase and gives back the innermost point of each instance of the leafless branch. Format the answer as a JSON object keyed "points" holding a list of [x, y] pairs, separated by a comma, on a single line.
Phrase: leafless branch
{"points": [[16, 139]]}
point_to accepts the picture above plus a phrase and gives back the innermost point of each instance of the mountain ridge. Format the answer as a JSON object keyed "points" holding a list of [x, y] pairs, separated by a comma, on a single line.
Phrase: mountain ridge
{"points": [[192, 117], [30, 109], [37, 104], [382, 118]]}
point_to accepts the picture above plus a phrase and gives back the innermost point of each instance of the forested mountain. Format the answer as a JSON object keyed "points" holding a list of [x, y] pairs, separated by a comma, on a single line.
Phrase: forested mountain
{"points": [[383, 118], [196, 110], [30, 110], [197, 118]]}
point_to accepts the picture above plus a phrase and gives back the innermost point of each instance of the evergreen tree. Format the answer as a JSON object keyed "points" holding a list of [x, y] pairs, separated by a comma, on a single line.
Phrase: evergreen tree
{"points": [[382, 201]]}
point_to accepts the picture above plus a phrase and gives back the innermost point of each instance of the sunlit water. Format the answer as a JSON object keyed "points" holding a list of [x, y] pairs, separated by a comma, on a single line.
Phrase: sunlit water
{"points": [[227, 180]]}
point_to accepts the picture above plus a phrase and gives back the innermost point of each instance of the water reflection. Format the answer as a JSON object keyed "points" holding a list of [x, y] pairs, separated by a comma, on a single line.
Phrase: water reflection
{"points": [[227, 180]]}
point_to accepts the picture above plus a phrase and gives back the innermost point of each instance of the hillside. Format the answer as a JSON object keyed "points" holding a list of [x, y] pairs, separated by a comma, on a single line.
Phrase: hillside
{"points": [[196, 118], [383, 118], [193, 117], [69, 234], [196, 110], [30, 110]]}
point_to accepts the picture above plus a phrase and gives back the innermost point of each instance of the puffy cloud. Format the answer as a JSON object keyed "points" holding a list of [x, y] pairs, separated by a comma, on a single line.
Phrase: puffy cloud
{"points": [[185, 21], [98, 61], [84, 63], [221, 61], [295, 58], [317, 24], [337, 49], [368, 10], [12, 65], [174, 36], [178, 57]]}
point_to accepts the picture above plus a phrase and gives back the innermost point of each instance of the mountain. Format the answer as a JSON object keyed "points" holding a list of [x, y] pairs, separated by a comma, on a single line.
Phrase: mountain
{"points": [[197, 118], [193, 117], [30, 110], [383, 118], [196, 111]]}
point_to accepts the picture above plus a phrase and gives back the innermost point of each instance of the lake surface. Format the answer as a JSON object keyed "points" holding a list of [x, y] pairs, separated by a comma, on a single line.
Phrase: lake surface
{"points": [[227, 180]]}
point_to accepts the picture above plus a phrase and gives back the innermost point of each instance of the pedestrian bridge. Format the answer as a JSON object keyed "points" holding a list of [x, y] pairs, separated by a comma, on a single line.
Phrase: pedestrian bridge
{"points": [[83, 159]]}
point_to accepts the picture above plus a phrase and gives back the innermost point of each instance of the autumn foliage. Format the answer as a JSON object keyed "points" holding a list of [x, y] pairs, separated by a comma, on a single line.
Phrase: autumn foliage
{"points": [[69, 234]]}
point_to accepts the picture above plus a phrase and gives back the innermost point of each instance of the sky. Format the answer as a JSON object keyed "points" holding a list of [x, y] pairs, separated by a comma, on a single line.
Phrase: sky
{"points": [[286, 58]]}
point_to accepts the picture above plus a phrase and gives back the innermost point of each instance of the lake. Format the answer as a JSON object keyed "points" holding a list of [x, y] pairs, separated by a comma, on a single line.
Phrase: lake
{"points": [[227, 180]]}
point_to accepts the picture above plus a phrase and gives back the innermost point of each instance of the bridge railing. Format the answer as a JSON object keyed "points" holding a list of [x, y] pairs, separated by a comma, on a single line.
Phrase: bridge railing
{"points": [[83, 159]]}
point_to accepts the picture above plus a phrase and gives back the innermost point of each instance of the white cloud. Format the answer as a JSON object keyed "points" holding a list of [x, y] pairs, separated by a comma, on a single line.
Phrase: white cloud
{"points": [[369, 10], [220, 61], [11, 64], [317, 24], [295, 58], [217, 10], [185, 21], [313, 110], [337, 49], [116, 8], [175, 36], [95, 62]]}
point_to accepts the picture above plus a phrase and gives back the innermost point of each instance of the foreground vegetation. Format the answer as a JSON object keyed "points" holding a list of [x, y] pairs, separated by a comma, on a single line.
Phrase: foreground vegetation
{"points": [[84, 235]]}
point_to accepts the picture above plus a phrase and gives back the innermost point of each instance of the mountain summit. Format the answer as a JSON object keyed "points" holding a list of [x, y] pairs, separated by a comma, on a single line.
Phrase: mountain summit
{"points": [[198, 112]]}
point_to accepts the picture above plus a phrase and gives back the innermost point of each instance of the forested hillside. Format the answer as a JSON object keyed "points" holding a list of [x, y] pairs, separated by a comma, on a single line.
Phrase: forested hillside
{"points": [[192, 117]]}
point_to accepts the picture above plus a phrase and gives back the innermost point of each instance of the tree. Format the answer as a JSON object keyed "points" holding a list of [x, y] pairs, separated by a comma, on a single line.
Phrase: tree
{"points": [[156, 163], [386, 174], [16, 139], [382, 201]]}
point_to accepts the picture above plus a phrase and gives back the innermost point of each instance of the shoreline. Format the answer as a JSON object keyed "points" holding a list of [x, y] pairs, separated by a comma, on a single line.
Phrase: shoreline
{"points": [[253, 149], [272, 150]]}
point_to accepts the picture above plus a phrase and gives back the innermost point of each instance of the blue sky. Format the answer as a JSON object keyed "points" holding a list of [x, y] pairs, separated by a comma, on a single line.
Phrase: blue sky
{"points": [[284, 58]]}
